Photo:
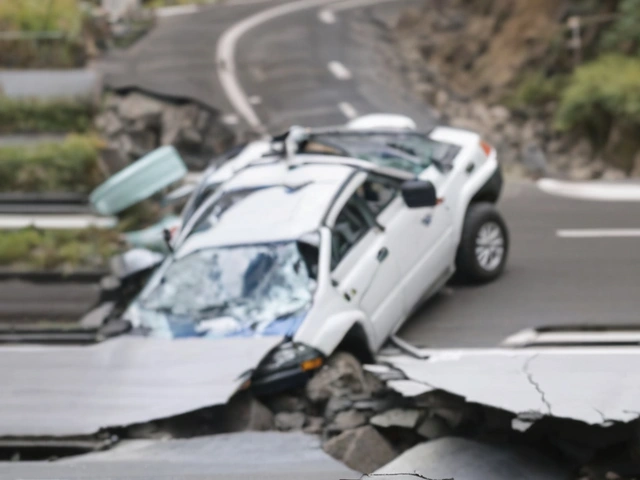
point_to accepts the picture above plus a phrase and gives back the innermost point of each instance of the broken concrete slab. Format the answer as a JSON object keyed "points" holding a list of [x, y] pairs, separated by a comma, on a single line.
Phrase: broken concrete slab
{"points": [[347, 420], [591, 385], [64, 391], [363, 449], [464, 459], [433, 427], [397, 417], [286, 421], [268, 455]]}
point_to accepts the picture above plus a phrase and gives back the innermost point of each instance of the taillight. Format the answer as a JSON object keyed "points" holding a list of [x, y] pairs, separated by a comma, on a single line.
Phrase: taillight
{"points": [[486, 148]]}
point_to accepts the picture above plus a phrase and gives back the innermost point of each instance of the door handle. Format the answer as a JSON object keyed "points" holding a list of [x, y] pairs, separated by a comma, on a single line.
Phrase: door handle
{"points": [[382, 254]]}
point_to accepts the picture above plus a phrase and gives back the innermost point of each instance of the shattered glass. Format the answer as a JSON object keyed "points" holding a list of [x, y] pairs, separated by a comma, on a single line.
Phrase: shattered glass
{"points": [[218, 292]]}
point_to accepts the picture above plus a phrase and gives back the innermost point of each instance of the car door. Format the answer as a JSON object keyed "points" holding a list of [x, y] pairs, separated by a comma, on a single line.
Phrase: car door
{"points": [[364, 269], [421, 240]]}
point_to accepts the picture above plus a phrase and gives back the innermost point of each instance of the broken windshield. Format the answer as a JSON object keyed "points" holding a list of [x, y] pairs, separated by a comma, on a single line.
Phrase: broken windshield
{"points": [[227, 291], [405, 151]]}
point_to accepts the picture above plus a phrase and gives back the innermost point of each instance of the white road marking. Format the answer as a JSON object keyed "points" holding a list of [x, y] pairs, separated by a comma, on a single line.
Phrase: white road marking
{"points": [[164, 12], [327, 16], [56, 222], [230, 119], [600, 233], [225, 56], [348, 111], [599, 191], [339, 70]]}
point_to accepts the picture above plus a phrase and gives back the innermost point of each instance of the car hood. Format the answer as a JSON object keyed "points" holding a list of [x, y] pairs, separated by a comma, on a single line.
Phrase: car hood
{"points": [[78, 390]]}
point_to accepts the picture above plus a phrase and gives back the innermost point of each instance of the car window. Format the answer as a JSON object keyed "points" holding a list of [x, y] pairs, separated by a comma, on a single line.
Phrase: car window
{"points": [[351, 225], [378, 192]]}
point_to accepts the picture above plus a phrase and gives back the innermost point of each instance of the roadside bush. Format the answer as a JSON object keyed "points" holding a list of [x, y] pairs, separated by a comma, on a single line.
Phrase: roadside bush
{"points": [[71, 165], [41, 16], [624, 33], [58, 249], [27, 116], [535, 90], [602, 94]]}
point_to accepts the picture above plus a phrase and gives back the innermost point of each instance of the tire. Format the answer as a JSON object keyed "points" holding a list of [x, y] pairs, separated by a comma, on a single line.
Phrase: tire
{"points": [[484, 245]]}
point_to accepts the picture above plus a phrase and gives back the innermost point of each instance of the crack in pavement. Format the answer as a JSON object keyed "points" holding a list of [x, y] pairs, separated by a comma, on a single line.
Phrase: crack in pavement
{"points": [[525, 369]]}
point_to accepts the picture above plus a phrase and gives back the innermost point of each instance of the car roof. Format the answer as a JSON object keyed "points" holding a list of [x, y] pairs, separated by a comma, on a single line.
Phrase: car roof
{"points": [[282, 202]]}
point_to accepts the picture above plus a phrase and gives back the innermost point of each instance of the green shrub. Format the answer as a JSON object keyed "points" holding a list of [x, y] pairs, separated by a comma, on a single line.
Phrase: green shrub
{"points": [[600, 94], [57, 249], [26, 116], [71, 165], [41, 15], [535, 90], [624, 33]]}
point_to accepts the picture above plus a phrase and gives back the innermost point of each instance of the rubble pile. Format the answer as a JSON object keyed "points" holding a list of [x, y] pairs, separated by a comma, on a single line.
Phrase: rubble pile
{"points": [[366, 424], [135, 124]]}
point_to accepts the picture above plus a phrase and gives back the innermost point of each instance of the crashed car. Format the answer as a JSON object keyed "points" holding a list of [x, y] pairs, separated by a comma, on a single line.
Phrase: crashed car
{"points": [[330, 238]]}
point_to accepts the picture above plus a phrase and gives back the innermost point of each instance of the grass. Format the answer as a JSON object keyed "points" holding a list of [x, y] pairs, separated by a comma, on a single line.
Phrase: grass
{"points": [[32, 116], [65, 250], [41, 16], [71, 166]]}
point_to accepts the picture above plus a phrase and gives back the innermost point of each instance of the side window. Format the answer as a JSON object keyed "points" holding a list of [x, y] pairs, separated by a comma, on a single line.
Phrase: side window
{"points": [[378, 192], [351, 225]]}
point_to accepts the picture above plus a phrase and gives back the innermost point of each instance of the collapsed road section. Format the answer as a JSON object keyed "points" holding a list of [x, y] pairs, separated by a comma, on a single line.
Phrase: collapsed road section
{"points": [[51, 391]]}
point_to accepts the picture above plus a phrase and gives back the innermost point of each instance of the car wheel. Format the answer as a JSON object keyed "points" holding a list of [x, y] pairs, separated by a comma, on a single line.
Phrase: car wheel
{"points": [[484, 245]]}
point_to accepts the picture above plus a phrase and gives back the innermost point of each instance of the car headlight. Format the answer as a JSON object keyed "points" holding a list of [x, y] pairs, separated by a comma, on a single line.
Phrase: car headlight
{"points": [[291, 355]]}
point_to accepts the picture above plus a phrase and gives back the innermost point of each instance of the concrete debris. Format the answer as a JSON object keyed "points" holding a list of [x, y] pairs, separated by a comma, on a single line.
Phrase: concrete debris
{"points": [[137, 123], [246, 413], [314, 425], [563, 383], [286, 421], [363, 449], [433, 427], [397, 417], [341, 375], [464, 459], [347, 420], [287, 403], [408, 388]]}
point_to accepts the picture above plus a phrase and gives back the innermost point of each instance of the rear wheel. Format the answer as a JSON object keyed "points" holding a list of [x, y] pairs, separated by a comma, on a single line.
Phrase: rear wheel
{"points": [[484, 244]]}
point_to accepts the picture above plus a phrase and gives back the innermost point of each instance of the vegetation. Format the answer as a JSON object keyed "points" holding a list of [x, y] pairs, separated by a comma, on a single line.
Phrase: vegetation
{"points": [[30, 116], [624, 33], [535, 90], [71, 165], [58, 249], [41, 16]]}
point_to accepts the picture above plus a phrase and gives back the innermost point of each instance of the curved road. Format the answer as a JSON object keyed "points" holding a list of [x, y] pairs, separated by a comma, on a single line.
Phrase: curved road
{"points": [[300, 64]]}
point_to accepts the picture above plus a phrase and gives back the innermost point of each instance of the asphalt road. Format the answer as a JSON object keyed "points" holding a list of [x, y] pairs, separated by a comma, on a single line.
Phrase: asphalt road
{"points": [[286, 68]]}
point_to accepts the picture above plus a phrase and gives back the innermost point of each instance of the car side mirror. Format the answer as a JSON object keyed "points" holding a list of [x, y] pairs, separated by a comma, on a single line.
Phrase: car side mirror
{"points": [[419, 194]]}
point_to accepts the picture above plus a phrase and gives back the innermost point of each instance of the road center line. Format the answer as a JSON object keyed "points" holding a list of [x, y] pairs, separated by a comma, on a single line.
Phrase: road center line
{"points": [[597, 191], [339, 70], [347, 110], [599, 233], [225, 56], [326, 16]]}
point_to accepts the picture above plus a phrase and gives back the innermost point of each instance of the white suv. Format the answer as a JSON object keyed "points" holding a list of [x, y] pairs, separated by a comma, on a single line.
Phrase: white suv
{"points": [[330, 238]]}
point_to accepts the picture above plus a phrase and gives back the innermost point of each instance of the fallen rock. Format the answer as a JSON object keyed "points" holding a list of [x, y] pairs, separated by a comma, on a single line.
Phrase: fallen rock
{"points": [[336, 405], [287, 403], [286, 421], [347, 420], [397, 417], [433, 427], [341, 375], [109, 123], [137, 106], [363, 449], [534, 159], [244, 412], [314, 425]]}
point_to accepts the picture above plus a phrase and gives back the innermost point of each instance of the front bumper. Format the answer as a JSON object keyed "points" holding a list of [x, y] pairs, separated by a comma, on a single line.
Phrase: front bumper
{"points": [[280, 380]]}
